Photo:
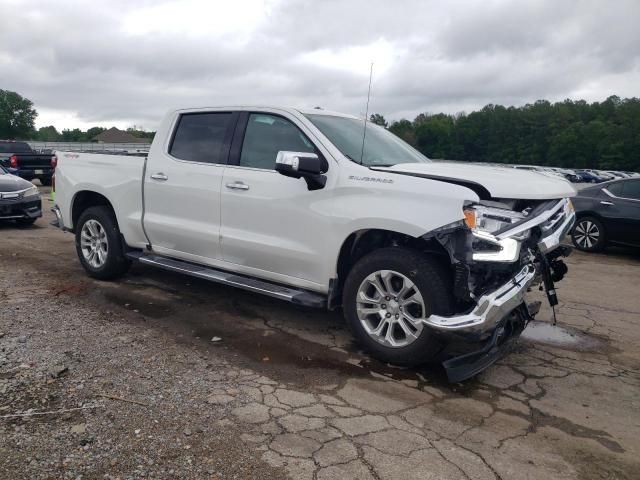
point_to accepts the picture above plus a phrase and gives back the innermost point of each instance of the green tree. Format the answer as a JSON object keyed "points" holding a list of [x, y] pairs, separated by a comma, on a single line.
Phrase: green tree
{"points": [[93, 131], [75, 135], [404, 129], [378, 120], [571, 133], [48, 134], [17, 116]]}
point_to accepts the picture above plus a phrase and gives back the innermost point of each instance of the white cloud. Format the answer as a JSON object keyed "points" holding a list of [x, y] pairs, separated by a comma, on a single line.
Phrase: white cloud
{"points": [[120, 62]]}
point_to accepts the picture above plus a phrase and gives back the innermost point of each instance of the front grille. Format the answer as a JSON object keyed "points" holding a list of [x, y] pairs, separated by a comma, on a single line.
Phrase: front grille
{"points": [[554, 222]]}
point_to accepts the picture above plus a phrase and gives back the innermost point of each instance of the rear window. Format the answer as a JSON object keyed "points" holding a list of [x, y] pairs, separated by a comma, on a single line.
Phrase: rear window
{"points": [[14, 147], [199, 137]]}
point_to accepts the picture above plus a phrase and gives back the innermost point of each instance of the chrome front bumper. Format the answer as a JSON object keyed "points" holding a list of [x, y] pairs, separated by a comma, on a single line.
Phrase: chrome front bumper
{"points": [[491, 307]]}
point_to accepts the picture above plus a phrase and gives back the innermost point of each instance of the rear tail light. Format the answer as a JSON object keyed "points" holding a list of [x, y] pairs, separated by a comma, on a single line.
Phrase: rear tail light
{"points": [[13, 161], [54, 162]]}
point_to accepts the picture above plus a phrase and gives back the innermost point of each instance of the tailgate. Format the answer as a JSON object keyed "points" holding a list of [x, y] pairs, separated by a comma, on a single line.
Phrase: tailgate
{"points": [[27, 161]]}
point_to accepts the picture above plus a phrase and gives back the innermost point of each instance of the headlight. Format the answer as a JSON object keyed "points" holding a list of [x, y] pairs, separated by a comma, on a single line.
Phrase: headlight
{"points": [[489, 219], [484, 222], [32, 191]]}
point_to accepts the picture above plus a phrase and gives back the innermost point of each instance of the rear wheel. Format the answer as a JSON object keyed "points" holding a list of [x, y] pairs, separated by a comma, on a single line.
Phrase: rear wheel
{"points": [[588, 235], [98, 244], [387, 295], [45, 181]]}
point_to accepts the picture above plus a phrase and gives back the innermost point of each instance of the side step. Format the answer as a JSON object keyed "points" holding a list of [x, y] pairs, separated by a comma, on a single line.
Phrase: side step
{"points": [[299, 297]]}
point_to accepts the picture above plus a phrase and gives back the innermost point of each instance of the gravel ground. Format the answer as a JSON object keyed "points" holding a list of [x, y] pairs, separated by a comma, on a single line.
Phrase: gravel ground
{"points": [[136, 388]]}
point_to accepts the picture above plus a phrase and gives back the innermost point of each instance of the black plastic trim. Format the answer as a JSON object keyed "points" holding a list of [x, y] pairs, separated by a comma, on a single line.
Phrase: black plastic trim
{"points": [[480, 190]]}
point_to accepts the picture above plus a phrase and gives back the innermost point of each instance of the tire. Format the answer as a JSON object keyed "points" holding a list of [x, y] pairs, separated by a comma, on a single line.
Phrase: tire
{"points": [[25, 222], [588, 235], [97, 230], [45, 181], [429, 279]]}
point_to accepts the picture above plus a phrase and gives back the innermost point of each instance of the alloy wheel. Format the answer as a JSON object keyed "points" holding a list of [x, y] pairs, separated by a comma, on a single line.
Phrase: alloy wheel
{"points": [[586, 234], [390, 308], [94, 243]]}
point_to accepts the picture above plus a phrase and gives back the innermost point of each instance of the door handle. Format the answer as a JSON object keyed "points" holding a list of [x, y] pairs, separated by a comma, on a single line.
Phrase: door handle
{"points": [[159, 176], [238, 186], [604, 202]]}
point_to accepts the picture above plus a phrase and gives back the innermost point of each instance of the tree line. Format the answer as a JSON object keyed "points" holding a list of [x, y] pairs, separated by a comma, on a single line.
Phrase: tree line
{"points": [[51, 134], [17, 122], [602, 135]]}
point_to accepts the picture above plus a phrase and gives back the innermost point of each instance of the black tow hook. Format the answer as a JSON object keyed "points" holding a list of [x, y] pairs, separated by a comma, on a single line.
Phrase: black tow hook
{"points": [[553, 269], [547, 280]]}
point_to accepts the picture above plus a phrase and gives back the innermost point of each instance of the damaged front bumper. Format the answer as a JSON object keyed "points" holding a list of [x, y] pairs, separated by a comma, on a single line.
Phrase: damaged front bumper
{"points": [[491, 308], [492, 275], [526, 249]]}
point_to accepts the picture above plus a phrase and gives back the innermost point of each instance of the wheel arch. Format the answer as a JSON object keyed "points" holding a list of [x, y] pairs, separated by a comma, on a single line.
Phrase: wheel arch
{"points": [[85, 199], [364, 241]]}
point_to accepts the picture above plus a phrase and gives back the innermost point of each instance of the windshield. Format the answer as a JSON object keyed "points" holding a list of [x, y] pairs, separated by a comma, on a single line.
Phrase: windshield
{"points": [[381, 148]]}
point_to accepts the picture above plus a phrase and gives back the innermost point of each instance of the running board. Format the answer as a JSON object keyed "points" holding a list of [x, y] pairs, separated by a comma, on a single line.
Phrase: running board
{"points": [[298, 297]]}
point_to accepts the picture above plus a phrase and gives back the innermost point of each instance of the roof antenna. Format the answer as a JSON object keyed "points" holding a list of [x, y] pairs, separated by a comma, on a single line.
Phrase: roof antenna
{"points": [[366, 115]]}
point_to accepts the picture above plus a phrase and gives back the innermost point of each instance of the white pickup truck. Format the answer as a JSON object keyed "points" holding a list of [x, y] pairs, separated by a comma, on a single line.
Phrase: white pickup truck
{"points": [[323, 210]]}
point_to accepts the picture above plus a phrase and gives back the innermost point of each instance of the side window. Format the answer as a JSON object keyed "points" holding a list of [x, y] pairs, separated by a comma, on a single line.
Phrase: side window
{"points": [[631, 189], [199, 137], [266, 135], [615, 189]]}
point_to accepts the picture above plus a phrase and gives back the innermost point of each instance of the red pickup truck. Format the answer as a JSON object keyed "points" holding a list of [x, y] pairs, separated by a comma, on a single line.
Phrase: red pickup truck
{"points": [[20, 159]]}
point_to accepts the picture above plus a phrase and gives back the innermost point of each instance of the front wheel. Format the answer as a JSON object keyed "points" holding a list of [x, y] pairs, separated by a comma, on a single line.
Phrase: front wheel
{"points": [[386, 297], [98, 244]]}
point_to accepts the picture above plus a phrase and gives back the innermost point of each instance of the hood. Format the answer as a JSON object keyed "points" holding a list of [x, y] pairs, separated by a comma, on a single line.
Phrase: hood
{"points": [[12, 183], [490, 181]]}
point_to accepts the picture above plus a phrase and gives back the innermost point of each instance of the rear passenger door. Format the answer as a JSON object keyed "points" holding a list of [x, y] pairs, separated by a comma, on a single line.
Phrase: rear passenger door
{"points": [[182, 186]]}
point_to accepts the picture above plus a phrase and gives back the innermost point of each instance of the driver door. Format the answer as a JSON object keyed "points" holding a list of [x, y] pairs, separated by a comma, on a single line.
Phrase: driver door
{"points": [[272, 226]]}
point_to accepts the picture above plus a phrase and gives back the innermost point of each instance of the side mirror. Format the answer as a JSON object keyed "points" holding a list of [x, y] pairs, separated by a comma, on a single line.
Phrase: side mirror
{"points": [[302, 165]]}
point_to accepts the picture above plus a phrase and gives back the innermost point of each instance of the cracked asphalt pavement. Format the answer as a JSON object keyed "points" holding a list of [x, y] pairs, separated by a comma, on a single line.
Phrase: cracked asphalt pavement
{"points": [[122, 380]]}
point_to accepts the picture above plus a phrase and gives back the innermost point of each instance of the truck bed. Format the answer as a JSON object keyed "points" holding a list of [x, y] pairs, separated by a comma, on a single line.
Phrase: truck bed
{"points": [[118, 178]]}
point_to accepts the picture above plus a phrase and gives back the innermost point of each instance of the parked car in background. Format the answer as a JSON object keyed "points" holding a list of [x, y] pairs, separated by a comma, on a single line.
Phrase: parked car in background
{"points": [[606, 176], [19, 199], [420, 255], [589, 177], [607, 214], [21, 160], [566, 173]]}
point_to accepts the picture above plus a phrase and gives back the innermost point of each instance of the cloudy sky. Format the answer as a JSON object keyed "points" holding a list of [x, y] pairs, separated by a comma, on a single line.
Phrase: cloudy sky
{"points": [[125, 62]]}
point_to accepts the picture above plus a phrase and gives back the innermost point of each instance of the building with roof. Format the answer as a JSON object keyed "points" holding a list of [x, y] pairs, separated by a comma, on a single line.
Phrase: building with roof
{"points": [[115, 135]]}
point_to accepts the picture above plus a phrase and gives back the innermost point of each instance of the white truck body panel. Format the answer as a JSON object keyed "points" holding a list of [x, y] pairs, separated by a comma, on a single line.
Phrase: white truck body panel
{"points": [[118, 178]]}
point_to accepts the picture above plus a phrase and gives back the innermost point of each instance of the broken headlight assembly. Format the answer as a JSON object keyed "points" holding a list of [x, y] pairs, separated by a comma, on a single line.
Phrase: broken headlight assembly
{"points": [[484, 221]]}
